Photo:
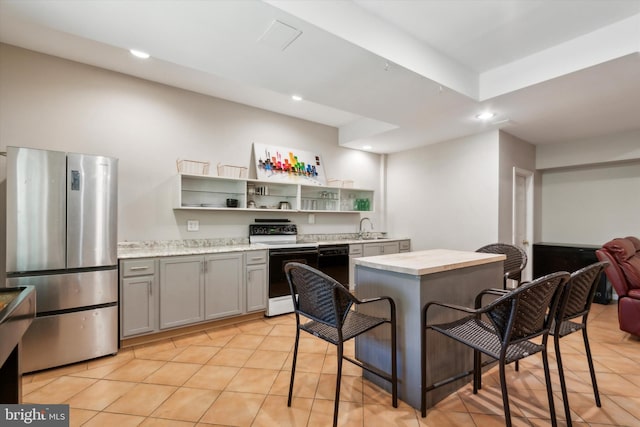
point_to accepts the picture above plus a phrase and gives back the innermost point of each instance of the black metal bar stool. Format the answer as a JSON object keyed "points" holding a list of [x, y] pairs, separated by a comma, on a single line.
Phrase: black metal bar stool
{"points": [[327, 305], [502, 330], [575, 303]]}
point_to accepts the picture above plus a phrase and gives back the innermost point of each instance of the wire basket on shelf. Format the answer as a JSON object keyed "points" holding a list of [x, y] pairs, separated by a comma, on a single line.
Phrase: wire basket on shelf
{"points": [[192, 167], [231, 171]]}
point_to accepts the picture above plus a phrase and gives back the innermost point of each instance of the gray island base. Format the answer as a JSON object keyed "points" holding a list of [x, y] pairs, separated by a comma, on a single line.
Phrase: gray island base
{"points": [[413, 279]]}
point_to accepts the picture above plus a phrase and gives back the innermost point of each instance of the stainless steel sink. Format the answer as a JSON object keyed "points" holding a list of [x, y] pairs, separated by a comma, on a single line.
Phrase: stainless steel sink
{"points": [[371, 238]]}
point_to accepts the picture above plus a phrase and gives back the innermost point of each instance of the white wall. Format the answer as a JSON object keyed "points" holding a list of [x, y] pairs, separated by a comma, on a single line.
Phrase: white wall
{"points": [[445, 195], [590, 189], [607, 148], [51, 103], [591, 204], [514, 152]]}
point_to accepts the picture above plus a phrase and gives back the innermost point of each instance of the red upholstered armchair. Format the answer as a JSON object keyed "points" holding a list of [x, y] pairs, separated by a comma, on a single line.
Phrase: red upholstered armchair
{"points": [[624, 274]]}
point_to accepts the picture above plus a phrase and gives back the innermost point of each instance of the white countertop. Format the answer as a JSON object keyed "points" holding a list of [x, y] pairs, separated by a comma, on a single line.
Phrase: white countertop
{"points": [[420, 263], [359, 241], [161, 249]]}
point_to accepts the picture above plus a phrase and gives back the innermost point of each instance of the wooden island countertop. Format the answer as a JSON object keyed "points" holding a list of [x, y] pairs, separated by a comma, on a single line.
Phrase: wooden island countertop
{"points": [[429, 261]]}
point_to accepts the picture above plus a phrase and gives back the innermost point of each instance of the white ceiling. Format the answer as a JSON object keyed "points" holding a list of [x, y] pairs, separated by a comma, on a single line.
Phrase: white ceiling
{"points": [[393, 74]]}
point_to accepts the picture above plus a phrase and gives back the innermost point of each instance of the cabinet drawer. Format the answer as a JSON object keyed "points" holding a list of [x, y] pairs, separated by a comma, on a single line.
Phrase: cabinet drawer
{"points": [[257, 257], [405, 245], [138, 267], [355, 249]]}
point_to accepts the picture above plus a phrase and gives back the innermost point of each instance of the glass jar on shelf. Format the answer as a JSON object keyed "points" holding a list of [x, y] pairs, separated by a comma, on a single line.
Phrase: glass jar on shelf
{"points": [[323, 201], [352, 202]]}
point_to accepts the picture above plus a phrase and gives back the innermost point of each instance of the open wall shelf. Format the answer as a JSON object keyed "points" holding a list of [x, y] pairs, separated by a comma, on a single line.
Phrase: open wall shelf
{"points": [[203, 192]]}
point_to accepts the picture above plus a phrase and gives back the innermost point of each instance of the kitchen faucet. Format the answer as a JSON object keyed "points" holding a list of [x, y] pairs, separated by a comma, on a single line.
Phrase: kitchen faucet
{"points": [[360, 232]]}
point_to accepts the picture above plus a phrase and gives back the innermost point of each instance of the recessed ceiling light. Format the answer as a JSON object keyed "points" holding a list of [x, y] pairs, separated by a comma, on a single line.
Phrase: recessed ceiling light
{"points": [[367, 147], [296, 97], [486, 115], [139, 53]]}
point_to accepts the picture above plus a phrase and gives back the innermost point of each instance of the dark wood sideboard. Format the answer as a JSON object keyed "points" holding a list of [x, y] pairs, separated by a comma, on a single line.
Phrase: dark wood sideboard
{"points": [[552, 257]]}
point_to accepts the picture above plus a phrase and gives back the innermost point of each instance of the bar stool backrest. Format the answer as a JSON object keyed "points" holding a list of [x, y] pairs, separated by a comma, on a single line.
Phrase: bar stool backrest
{"points": [[316, 293], [579, 292], [528, 310], [516, 258]]}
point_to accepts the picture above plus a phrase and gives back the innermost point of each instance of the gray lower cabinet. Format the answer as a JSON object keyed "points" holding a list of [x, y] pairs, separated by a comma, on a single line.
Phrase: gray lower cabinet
{"points": [[168, 292], [256, 298], [355, 251], [181, 291], [223, 290], [139, 297], [197, 288], [386, 248]]}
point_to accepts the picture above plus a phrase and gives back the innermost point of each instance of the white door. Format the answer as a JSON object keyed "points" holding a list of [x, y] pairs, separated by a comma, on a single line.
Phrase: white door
{"points": [[523, 216]]}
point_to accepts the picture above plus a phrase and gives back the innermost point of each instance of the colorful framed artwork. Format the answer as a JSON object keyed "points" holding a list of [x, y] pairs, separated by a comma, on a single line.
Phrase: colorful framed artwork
{"points": [[288, 165]]}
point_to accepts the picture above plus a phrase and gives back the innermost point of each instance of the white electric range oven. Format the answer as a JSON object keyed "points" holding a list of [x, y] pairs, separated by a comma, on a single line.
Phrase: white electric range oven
{"points": [[281, 241]]}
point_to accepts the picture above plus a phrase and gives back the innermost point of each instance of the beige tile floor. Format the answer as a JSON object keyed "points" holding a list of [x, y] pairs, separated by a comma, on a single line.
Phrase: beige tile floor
{"points": [[238, 376]]}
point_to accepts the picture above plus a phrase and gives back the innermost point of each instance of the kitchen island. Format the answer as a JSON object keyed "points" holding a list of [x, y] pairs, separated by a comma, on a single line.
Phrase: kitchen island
{"points": [[17, 311], [413, 279]]}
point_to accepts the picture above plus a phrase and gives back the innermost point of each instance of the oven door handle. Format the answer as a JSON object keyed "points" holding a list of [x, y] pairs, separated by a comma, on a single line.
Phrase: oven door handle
{"points": [[293, 252], [333, 254]]}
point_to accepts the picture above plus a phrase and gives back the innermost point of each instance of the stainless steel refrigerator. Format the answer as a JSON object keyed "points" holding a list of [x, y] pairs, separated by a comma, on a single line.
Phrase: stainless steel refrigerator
{"points": [[62, 239]]}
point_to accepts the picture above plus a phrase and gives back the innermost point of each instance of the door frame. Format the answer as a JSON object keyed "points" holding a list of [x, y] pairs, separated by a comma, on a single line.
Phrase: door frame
{"points": [[528, 188]]}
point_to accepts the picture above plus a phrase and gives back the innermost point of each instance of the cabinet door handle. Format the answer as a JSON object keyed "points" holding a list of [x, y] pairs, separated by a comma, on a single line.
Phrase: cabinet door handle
{"points": [[256, 258], [150, 288], [146, 267]]}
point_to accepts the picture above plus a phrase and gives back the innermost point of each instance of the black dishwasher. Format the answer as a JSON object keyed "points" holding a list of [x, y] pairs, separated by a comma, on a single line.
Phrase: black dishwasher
{"points": [[333, 260]]}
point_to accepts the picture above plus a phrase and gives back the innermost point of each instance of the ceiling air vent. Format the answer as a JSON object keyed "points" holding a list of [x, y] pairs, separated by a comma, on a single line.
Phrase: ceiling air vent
{"points": [[279, 35]]}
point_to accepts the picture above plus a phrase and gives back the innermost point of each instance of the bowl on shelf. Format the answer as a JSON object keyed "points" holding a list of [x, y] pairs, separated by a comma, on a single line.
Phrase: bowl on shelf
{"points": [[232, 203]]}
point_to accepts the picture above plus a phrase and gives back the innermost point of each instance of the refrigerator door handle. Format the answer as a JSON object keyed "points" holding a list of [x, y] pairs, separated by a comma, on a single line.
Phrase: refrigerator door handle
{"points": [[75, 180]]}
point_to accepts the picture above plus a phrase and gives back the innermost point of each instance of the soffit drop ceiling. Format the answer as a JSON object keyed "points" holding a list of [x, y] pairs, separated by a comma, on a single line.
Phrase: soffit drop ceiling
{"points": [[393, 74]]}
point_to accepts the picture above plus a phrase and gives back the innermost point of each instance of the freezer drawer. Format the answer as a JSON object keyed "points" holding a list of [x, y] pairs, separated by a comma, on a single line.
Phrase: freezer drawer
{"points": [[71, 290], [71, 337]]}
